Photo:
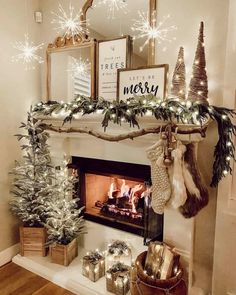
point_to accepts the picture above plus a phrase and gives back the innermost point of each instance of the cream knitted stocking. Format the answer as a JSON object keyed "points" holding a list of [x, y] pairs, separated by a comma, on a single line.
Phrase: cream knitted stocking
{"points": [[161, 190]]}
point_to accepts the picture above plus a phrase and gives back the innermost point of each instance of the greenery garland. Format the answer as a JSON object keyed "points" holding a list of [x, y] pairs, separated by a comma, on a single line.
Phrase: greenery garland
{"points": [[171, 110]]}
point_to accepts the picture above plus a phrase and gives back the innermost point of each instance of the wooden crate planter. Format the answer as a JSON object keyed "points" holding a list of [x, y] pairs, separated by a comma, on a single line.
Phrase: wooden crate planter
{"points": [[32, 241], [64, 254]]}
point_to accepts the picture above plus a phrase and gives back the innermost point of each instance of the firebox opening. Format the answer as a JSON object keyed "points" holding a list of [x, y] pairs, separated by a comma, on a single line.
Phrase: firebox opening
{"points": [[118, 195], [114, 197]]}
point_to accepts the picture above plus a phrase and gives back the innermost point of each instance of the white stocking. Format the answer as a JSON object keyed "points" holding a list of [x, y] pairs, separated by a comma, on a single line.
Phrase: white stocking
{"points": [[161, 190]]}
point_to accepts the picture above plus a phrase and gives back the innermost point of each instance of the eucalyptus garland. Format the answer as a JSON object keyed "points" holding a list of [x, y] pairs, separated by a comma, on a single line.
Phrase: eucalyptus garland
{"points": [[171, 110]]}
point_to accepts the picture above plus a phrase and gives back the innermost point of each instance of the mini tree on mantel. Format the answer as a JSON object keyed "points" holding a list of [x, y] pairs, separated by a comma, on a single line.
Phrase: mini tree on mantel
{"points": [[34, 177]]}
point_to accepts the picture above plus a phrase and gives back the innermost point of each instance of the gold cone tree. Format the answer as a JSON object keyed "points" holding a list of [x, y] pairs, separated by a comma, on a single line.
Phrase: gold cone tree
{"points": [[178, 87], [198, 88]]}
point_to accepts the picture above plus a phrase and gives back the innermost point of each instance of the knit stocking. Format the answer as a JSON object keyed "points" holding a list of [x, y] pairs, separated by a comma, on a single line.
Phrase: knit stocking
{"points": [[161, 189]]}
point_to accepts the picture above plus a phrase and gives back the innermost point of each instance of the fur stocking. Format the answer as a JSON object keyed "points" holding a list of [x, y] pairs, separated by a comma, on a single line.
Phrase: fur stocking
{"points": [[161, 189], [179, 194], [197, 197]]}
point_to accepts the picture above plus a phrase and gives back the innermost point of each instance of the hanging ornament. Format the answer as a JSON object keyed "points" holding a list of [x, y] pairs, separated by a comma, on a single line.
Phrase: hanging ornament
{"points": [[113, 6], [79, 67], [27, 53], [150, 30], [178, 87], [70, 24], [198, 89]]}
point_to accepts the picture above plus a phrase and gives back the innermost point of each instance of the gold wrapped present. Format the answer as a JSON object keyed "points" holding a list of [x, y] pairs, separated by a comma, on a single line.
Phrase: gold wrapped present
{"points": [[93, 266], [117, 279], [122, 284], [118, 251]]}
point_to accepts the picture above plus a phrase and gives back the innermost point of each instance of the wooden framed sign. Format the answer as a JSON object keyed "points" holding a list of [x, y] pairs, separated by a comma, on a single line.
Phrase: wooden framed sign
{"points": [[112, 55], [143, 81]]}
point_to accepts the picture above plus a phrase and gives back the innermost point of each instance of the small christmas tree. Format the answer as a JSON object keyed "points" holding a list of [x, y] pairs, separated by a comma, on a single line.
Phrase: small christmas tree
{"points": [[32, 178], [178, 87], [64, 222], [198, 88]]}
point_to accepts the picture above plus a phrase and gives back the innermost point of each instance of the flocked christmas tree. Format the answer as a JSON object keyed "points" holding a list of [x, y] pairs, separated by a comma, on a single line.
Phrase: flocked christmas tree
{"points": [[198, 88], [65, 221], [178, 87], [32, 184]]}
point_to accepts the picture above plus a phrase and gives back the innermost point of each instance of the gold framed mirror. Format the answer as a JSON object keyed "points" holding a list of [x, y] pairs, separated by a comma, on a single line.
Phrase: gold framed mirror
{"points": [[71, 69], [63, 83], [108, 21]]}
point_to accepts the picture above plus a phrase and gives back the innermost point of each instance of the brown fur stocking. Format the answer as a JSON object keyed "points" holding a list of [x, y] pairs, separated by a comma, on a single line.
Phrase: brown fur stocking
{"points": [[194, 203]]}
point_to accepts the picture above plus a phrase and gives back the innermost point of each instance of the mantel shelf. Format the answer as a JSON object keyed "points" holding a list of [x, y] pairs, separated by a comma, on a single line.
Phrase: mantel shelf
{"points": [[93, 123]]}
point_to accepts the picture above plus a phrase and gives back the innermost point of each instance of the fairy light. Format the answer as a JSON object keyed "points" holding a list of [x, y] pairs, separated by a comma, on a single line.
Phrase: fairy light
{"points": [[228, 158], [224, 117], [69, 23], [225, 172], [79, 67], [229, 143], [113, 6], [27, 52], [152, 31]]}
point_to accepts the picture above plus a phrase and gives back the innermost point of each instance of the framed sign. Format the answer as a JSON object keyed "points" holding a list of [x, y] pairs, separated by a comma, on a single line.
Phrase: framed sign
{"points": [[143, 81], [112, 55]]}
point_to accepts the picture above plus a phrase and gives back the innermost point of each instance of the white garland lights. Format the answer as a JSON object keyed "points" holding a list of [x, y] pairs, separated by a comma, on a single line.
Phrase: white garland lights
{"points": [[70, 24], [28, 53], [152, 31]]}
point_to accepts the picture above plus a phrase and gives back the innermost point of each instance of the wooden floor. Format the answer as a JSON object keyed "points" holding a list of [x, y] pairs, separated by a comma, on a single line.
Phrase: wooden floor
{"points": [[15, 280]]}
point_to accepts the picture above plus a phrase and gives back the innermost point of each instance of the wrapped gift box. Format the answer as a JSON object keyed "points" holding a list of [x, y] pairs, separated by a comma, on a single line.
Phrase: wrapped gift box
{"points": [[93, 266], [118, 279], [118, 251]]}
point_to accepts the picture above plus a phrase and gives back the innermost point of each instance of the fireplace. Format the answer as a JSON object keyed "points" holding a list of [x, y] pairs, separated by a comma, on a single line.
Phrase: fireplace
{"points": [[117, 194]]}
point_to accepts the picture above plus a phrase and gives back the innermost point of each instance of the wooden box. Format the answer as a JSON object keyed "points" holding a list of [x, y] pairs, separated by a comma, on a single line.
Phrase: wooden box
{"points": [[32, 241], [64, 254]]}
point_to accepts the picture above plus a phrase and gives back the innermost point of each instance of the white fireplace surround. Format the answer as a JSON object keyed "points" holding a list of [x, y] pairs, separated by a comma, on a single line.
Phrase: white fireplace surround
{"points": [[178, 231]]}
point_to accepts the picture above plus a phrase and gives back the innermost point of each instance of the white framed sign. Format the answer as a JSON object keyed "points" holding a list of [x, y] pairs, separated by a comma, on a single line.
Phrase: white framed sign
{"points": [[143, 81], [112, 55]]}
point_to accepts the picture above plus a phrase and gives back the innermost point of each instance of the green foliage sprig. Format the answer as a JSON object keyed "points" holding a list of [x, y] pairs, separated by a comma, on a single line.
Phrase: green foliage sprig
{"points": [[171, 110]]}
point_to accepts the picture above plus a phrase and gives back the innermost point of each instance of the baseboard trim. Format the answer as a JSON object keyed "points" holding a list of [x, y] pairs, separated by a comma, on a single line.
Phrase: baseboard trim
{"points": [[7, 254]]}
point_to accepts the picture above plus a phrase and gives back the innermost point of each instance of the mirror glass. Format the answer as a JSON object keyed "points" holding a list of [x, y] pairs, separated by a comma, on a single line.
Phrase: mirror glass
{"points": [[71, 73], [108, 20]]}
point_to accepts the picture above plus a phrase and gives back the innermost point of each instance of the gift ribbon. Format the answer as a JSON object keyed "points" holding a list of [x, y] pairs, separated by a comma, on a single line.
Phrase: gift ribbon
{"points": [[167, 291]]}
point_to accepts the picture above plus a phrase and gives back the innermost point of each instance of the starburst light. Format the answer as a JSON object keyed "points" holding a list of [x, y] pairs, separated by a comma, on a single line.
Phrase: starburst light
{"points": [[70, 24], [28, 52], [152, 31], [113, 6], [79, 67]]}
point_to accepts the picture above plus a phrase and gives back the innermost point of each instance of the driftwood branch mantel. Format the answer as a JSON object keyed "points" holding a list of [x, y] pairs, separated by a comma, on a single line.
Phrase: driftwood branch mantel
{"points": [[130, 135]]}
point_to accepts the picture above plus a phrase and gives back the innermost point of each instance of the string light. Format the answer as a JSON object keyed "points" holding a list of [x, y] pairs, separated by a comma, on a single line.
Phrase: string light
{"points": [[70, 24], [79, 67], [158, 32], [224, 117], [28, 52], [228, 158], [113, 6]]}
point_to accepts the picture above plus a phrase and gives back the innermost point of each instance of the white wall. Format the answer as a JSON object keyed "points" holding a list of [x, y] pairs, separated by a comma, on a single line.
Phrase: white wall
{"points": [[224, 276], [18, 89]]}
